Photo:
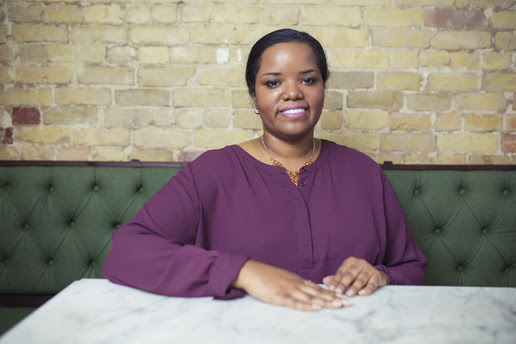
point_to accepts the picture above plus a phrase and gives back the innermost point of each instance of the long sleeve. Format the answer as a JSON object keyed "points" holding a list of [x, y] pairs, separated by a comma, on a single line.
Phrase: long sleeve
{"points": [[403, 261], [157, 250]]}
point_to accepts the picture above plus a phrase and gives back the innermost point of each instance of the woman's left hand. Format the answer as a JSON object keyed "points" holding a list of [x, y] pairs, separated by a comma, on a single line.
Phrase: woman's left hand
{"points": [[358, 277]]}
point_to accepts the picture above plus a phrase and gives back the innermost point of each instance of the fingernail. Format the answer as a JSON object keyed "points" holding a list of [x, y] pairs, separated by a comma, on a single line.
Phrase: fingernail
{"points": [[331, 287], [339, 291], [350, 293], [346, 303], [337, 303], [314, 306], [361, 292]]}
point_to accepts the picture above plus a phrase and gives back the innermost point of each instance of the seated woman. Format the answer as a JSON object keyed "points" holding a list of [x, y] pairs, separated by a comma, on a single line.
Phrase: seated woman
{"points": [[276, 216]]}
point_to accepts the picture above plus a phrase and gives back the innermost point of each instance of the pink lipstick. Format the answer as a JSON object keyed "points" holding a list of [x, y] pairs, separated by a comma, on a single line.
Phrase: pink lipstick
{"points": [[293, 111]]}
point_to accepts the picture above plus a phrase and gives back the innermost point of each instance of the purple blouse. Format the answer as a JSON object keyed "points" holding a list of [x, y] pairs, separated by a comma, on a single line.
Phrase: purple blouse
{"points": [[193, 236]]}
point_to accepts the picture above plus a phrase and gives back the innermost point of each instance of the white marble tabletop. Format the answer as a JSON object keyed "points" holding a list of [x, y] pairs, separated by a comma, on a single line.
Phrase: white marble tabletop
{"points": [[97, 311]]}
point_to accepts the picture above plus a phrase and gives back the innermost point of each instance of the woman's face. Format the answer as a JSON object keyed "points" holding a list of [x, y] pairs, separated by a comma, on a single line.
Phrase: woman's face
{"points": [[289, 90]]}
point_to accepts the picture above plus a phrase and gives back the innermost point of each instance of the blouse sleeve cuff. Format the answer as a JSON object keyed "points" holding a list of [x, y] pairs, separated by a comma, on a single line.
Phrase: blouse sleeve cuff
{"points": [[383, 268], [223, 273]]}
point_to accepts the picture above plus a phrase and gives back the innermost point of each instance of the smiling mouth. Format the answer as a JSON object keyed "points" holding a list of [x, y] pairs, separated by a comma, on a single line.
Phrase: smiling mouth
{"points": [[293, 113]]}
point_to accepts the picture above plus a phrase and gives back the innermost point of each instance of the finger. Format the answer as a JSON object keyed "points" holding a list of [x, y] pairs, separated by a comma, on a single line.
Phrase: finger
{"points": [[319, 297], [375, 282], [348, 277], [327, 280], [362, 280]]}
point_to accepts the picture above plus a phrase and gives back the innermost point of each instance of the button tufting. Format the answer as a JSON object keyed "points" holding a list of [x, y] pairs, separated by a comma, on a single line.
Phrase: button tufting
{"points": [[117, 225], [507, 270], [50, 188], [484, 231], [26, 227], [92, 263], [6, 261], [462, 191], [437, 231], [7, 186], [71, 223], [140, 190], [96, 188], [505, 192], [50, 262], [303, 184], [460, 268], [416, 192]]}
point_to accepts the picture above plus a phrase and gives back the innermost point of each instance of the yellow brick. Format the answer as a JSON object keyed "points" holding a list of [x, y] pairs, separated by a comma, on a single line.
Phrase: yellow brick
{"points": [[241, 99], [103, 14], [361, 2], [362, 141], [448, 121], [189, 118], [334, 100], [342, 37], [153, 55], [216, 118], [126, 118], [159, 35], [201, 97], [184, 55], [500, 82], [375, 100], [410, 121], [138, 14], [23, 13], [174, 76], [161, 138], [400, 80], [74, 53], [493, 61], [505, 41], [233, 14], [281, 15], [107, 75], [407, 142], [331, 16], [42, 134], [59, 13], [150, 155], [305, 2], [482, 101], [216, 138], [36, 152], [366, 119], [5, 53], [223, 77], [453, 82], [164, 14], [403, 58], [163, 117], [196, 13], [482, 122], [72, 153], [142, 97], [18, 96], [39, 33], [110, 137], [434, 58], [331, 120], [70, 115], [3, 35], [420, 3], [428, 102], [246, 120], [450, 159], [504, 20], [489, 160], [374, 59], [417, 158], [456, 40], [83, 95], [108, 154], [99, 34], [121, 54], [392, 17], [342, 58], [10, 153], [221, 34], [401, 37], [468, 142], [466, 61], [4, 75]]}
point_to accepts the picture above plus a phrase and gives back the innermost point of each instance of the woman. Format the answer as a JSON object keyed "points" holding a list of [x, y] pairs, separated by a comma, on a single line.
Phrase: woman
{"points": [[275, 216]]}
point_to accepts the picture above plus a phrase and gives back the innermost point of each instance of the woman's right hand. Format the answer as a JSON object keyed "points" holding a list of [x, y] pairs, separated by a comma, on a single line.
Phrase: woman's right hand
{"points": [[278, 286]]}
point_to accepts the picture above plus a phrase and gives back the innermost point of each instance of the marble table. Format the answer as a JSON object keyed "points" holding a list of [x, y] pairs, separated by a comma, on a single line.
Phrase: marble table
{"points": [[97, 311]]}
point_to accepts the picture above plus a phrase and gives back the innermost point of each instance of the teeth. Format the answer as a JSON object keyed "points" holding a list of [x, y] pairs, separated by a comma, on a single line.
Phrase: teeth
{"points": [[294, 111]]}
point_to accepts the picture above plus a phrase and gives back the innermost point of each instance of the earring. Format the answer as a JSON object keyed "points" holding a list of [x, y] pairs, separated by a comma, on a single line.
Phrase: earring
{"points": [[256, 111]]}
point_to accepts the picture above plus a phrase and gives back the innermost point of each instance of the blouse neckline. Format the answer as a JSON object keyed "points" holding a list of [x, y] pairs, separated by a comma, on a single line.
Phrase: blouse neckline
{"points": [[321, 159]]}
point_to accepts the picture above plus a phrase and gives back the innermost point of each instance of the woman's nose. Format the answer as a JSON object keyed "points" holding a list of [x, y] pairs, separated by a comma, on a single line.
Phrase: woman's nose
{"points": [[292, 91]]}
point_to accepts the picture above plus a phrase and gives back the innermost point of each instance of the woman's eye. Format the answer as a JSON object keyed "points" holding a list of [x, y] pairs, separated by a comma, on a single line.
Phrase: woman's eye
{"points": [[272, 83], [308, 80]]}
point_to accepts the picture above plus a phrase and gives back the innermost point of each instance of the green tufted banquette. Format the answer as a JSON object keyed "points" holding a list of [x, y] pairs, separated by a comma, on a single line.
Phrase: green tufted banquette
{"points": [[56, 220]]}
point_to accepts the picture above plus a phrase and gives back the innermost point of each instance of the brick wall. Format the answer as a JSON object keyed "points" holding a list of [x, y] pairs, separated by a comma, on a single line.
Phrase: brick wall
{"points": [[413, 81]]}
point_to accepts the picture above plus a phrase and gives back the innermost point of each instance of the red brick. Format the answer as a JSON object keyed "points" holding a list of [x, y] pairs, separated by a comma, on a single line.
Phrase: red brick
{"points": [[455, 19], [509, 143], [6, 136], [26, 115]]}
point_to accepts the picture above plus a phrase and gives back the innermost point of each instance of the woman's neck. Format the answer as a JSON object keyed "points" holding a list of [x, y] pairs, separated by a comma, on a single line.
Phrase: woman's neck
{"points": [[291, 154]]}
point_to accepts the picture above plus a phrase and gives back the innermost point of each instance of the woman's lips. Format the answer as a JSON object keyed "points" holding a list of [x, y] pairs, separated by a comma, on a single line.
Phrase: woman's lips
{"points": [[293, 111]]}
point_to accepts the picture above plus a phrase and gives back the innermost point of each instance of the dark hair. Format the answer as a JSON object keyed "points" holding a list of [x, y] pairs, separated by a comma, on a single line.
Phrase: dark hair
{"points": [[282, 36]]}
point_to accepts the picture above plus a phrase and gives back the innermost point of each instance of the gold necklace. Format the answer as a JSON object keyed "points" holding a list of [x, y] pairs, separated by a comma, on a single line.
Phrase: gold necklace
{"points": [[294, 176]]}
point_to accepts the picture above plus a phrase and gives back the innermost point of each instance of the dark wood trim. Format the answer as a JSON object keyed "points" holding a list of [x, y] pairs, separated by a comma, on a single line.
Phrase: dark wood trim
{"points": [[23, 300], [133, 163]]}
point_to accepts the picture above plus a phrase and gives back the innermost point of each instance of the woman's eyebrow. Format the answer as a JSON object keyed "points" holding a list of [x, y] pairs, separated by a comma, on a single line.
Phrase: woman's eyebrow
{"points": [[308, 71]]}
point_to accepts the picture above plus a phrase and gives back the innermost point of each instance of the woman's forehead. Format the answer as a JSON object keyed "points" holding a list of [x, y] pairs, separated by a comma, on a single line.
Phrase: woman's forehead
{"points": [[284, 54]]}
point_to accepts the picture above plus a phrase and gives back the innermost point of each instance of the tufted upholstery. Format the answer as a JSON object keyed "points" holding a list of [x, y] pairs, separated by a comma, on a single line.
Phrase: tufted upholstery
{"points": [[56, 220]]}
